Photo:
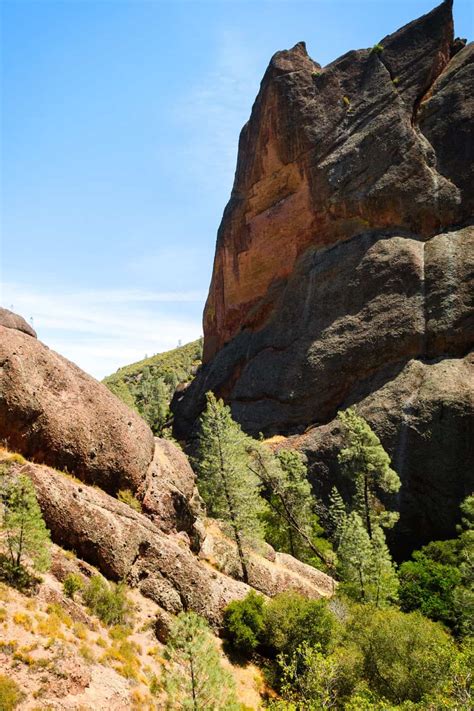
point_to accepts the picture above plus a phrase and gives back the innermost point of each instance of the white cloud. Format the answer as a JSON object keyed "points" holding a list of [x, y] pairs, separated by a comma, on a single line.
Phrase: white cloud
{"points": [[214, 110], [101, 330]]}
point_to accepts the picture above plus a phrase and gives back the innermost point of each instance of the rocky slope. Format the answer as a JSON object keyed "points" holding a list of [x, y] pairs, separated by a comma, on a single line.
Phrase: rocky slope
{"points": [[84, 447], [344, 261]]}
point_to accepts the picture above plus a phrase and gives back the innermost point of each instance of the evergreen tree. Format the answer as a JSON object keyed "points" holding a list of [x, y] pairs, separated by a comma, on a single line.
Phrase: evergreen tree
{"points": [[194, 677], [337, 516], [230, 489], [153, 397], [23, 528], [355, 557], [365, 565], [366, 462], [292, 524], [384, 579]]}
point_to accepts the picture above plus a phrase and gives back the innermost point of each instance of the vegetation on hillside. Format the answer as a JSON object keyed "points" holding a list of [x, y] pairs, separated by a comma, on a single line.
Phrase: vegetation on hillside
{"points": [[149, 385]]}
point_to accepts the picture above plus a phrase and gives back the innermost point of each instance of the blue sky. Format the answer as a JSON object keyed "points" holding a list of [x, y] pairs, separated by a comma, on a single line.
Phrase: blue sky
{"points": [[120, 123]]}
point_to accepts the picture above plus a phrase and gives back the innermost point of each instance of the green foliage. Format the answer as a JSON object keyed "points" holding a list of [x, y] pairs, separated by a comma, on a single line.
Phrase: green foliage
{"points": [[194, 678], [377, 49], [365, 565], [127, 497], [291, 620], [230, 489], [291, 523], [153, 396], [367, 464], [308, 680], [404, 657], [148, 386], [72, 583], [10, 693], [439, 579], [244, 622], [429, 586], [107, 600], [337, 516], [24, 531]]}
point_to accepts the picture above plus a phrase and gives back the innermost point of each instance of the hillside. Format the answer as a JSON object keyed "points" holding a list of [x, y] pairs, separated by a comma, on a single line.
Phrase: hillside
{"points": [[148, 385]]}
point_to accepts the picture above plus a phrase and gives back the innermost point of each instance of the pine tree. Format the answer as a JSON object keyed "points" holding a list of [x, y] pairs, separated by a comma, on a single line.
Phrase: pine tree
{"points": [[355, 557], [337, 516], [22, 524], [365, 565], [230, 489], [194, 677], [366, 462], [291, 519], [384, 578], [153, 396]]}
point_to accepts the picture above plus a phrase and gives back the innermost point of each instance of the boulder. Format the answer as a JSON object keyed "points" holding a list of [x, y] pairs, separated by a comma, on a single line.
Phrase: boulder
{"points": [[54, 413], [10, 320]]}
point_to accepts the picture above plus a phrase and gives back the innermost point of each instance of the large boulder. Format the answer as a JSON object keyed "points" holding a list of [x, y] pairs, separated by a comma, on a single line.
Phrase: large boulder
{"points": [[346, 249], [54, 413]]}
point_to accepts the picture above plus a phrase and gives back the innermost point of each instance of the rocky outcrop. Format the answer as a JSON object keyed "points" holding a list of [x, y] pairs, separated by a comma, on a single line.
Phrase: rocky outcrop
{"points": [[10, 320], [168, 493], [423, 414], [346, 249], [126, 545], [54, 413]]}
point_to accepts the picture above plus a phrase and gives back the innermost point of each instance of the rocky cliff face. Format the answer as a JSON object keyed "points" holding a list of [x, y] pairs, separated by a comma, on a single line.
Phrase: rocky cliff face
{"points": [[345, 254]]}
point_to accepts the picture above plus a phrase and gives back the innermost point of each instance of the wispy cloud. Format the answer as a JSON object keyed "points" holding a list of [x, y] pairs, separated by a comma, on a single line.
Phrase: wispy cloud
{"points": [[101, 330], [214, 110]]}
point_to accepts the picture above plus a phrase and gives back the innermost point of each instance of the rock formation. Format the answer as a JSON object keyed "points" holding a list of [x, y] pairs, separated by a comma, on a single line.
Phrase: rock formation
{"points": [[344, 263], [54, 414]]}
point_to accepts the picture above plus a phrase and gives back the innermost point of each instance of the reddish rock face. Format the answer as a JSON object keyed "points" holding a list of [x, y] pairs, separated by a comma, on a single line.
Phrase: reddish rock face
{"points": [[346, 249], [53, 413], [10, 320]]}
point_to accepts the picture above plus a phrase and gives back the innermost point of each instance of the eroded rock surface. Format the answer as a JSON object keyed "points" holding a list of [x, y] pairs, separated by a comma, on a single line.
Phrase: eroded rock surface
{"points": [[54, 413], [127, 545], [10, 320]]}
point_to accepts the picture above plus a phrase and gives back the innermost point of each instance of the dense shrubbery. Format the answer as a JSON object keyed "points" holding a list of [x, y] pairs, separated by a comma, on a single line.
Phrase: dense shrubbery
{"points": [[244, 623]]}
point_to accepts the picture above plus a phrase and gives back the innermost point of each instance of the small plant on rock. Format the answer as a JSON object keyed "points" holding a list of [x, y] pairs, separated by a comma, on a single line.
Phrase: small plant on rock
{"points": [[377, 49], [72, 584]]}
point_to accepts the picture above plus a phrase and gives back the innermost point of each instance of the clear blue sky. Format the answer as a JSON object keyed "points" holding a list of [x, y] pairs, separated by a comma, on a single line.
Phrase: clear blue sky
{"points": [[119, 139]]}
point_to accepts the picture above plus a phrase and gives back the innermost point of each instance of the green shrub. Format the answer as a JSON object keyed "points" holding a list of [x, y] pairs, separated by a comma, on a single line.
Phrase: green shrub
{"points": [[72, 583], [377, 49], [405, 657], [291, 620], [10, 693], [243, 623], [126, 496], [428, 586], [108, 601]]}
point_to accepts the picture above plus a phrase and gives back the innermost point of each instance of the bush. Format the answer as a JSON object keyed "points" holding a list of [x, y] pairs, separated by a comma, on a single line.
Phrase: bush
{"points": [[72, 583], [428, 586], [243, 623], [377, 49], [10, 693], [292, 620], [108, 601], [405, 657]]}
